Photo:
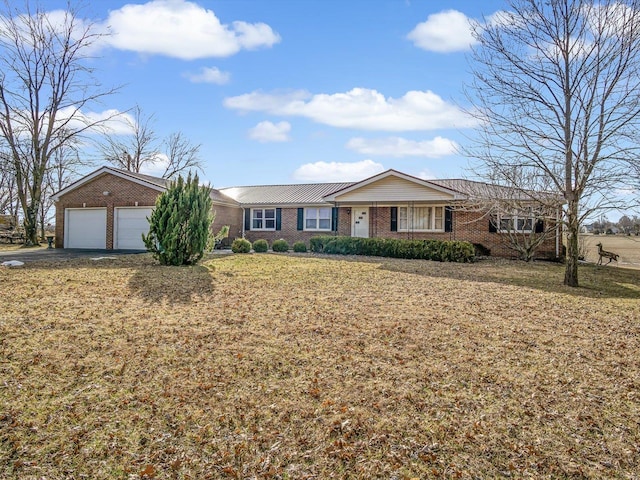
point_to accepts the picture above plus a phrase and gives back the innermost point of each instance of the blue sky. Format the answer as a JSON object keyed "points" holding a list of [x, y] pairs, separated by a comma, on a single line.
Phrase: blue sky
{"points": [[289, 91]]}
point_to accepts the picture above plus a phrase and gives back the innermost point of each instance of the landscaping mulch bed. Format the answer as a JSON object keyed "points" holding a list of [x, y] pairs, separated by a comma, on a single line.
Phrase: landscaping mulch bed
{"points": [[306, 366]]}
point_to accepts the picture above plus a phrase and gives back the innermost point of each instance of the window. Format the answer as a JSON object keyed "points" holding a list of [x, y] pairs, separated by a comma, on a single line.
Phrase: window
{"points": [[522, 222], [263, 219], [420, 218], [317, 218]]}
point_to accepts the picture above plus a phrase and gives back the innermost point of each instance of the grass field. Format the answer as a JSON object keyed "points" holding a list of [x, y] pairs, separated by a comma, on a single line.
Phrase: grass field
{"points": [[294, 367], [628, 247]]}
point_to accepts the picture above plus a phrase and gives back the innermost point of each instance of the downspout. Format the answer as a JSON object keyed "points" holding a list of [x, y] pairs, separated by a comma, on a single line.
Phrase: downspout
{"points": [[244, 212], [558, 233]]}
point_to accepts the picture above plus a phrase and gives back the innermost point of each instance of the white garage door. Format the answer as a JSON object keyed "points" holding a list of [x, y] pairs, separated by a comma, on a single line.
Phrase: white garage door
{"points": [[86, 228], [130, 223]]}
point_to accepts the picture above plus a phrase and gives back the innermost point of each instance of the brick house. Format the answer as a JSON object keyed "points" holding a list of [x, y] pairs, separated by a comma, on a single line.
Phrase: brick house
{"points": [[108, 209]]}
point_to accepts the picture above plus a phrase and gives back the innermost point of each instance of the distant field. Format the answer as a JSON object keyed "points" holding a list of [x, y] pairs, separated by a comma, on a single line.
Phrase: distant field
{"points": [[627, 247]]}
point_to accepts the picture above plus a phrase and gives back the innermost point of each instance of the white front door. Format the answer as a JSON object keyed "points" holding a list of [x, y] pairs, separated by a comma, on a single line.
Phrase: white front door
{"points": [[360, 222]]}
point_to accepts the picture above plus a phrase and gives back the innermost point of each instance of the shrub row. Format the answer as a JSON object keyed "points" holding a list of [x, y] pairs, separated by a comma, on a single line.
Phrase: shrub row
{"points": [[442, 251], [241, 245]]}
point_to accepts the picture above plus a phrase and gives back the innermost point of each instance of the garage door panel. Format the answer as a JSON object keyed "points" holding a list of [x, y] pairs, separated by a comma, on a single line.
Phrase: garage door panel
{"points": [[86, 228], [130, 224]]}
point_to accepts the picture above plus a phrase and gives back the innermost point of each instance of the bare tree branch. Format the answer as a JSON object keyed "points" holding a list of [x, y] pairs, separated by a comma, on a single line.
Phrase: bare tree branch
{"points": [[181, 154], [135, 151], [556, 87], [45, 84]]}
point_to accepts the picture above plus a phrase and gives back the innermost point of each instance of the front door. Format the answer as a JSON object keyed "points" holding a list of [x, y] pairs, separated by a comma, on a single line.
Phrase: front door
{"points": [[360, 222]]}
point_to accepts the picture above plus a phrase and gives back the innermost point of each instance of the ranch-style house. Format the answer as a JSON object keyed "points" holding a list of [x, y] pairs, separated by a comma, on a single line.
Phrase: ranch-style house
{"points": [[108, 209]]}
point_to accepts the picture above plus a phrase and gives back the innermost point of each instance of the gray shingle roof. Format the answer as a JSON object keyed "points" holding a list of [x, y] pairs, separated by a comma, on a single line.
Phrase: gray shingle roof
{"points": [[305, 194]]}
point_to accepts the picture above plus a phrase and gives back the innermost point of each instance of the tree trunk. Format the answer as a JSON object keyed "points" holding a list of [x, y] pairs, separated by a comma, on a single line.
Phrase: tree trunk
{"points": [[31, 227], [571, 260]]}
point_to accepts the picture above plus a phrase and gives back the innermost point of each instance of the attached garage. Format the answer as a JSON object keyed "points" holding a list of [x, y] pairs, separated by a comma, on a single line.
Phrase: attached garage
{"points": [[129, 225], [86, 228], [108, 209]]}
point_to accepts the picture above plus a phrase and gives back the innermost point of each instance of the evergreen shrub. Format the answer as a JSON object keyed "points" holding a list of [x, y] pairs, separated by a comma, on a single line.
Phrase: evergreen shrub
{"points": [[299, 247], [260, 246], [241, 245], [280, 246], [438, 250], [179, 224]]}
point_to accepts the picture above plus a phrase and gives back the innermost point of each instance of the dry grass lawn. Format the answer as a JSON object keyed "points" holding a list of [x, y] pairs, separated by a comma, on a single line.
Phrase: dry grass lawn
{"points": [[628, 247], [301, 367]]}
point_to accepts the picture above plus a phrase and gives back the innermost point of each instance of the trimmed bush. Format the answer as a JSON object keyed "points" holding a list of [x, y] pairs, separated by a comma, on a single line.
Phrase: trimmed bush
{"points": [[241, 245], [438, 250], [280, 246], [299, 247], [260, 246]]}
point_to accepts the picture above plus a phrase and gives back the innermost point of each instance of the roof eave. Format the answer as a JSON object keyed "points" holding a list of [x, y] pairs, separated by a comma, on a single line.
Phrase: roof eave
{"points": [[102, 171]]}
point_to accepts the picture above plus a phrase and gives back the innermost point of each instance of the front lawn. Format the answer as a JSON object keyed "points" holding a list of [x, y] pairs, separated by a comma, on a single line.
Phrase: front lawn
{"points": [[286, 366]]}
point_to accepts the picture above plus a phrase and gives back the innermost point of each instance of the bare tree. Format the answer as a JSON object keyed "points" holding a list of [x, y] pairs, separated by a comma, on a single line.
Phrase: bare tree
{"points": [[181, 155], [64, 167], [8, 204], [523, 217], [45, 83], [556, 87], [142, 148], [134, 151]]}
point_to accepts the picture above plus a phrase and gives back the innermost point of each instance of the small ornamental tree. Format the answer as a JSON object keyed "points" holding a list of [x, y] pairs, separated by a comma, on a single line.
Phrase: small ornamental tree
{"points": [[179, 224]]}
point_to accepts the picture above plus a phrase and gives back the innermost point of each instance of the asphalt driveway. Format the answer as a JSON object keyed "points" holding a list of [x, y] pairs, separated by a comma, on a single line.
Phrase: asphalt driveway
{"points": [[59, 254]]}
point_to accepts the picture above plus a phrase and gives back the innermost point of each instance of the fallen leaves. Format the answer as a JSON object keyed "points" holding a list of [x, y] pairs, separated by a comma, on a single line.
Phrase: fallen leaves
{"points": [[277, 366]]}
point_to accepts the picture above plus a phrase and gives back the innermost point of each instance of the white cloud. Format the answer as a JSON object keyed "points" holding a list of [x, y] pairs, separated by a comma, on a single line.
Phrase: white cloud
{"points": [[337, 172], [209, 75], [157, 167], [401, 147], [425, 174], [110, 121], [444, 32], [182, 29], [271, 132], [359, 108]]}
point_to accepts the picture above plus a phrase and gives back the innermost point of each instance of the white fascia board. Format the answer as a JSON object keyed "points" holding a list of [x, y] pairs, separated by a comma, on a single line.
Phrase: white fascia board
{"points": [[102, 171], [394, 173]]}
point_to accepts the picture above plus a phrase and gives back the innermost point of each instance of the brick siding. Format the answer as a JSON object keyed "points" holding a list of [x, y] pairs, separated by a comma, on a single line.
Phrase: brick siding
{"points": [[227, 215], [125, 193], [288, 232], [467, 226]]}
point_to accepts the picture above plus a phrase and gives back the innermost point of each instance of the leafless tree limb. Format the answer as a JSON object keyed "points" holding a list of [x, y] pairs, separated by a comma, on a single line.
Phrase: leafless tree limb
{"points": [[45, 84], [556, 89]]}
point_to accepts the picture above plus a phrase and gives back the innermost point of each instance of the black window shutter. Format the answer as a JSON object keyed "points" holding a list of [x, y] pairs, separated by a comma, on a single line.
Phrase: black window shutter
{"points": [[247, 219], [539, 226], [493, 223], [448, 219], [301, 219], [278, 219], [394, 219], [334, 219]]}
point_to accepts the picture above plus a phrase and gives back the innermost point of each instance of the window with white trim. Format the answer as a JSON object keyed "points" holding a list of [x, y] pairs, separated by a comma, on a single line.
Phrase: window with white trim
{"points": [[521, 222], [421, 218], [317, 218], [263, 219]]}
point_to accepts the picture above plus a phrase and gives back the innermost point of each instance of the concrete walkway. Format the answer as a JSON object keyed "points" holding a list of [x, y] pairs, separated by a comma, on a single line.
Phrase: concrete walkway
{"points": [[58, 254]]}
